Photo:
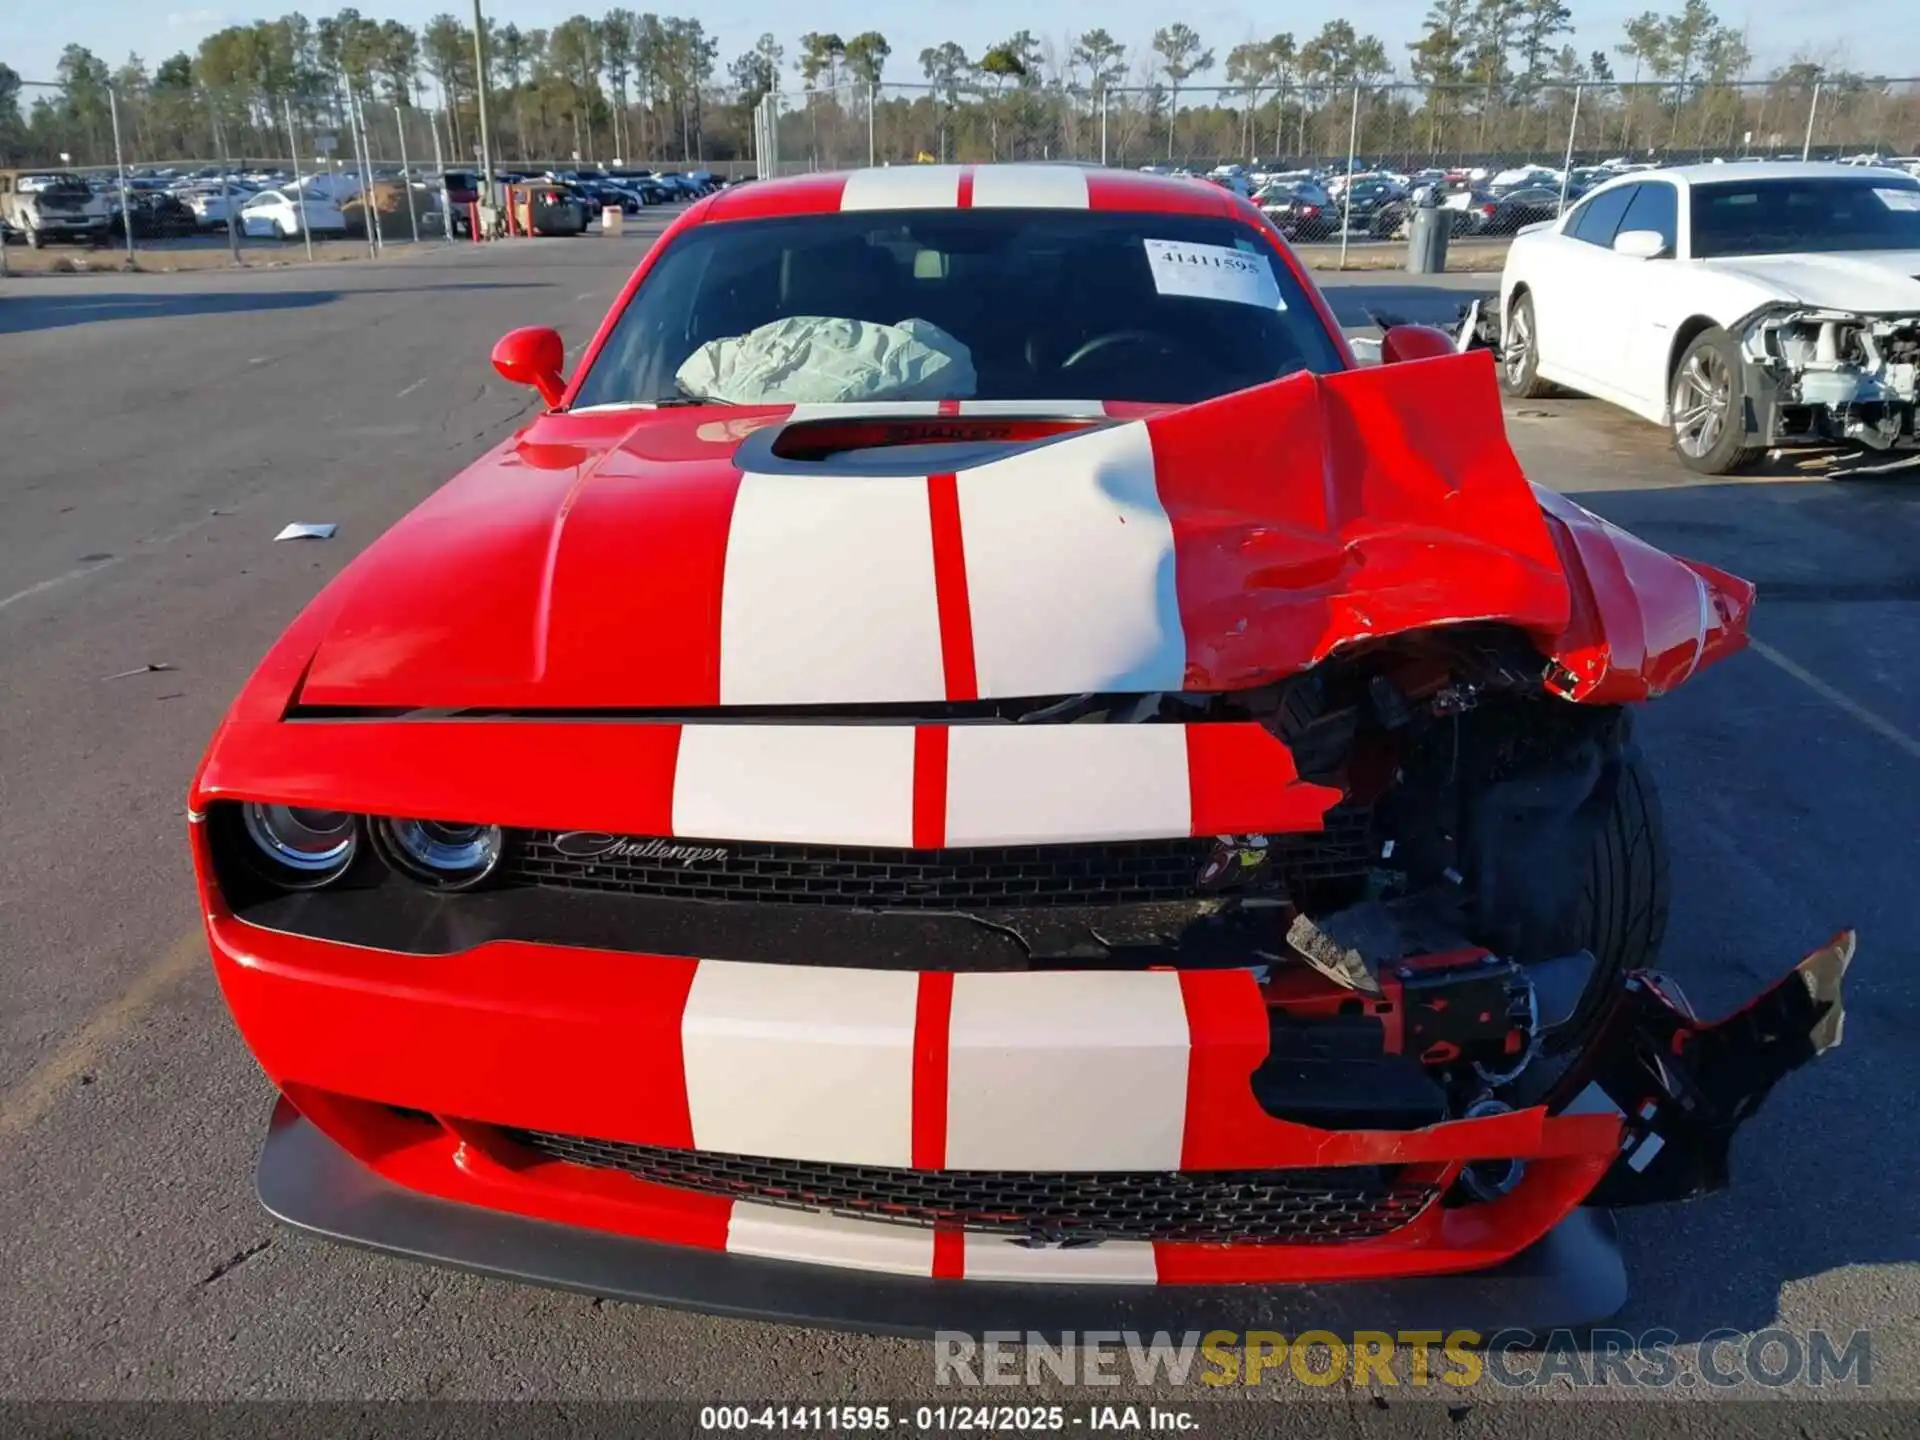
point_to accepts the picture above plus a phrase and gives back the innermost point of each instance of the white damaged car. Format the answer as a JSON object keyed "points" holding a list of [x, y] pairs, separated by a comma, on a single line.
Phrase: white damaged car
{"points": [[1746, 307]]}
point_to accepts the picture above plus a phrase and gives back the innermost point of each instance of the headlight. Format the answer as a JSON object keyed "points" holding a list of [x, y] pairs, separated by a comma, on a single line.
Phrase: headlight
{"points": [[443, 854], [302, 847]]}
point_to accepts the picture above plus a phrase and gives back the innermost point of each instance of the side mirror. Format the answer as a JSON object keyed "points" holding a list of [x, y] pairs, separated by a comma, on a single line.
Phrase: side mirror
{"points": [[1414, 342], [533, 356], [1640, 244]]}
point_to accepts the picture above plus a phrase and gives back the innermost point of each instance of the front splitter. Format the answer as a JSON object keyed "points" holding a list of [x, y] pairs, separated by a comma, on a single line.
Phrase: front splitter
{"points": [[1572, 1276]]}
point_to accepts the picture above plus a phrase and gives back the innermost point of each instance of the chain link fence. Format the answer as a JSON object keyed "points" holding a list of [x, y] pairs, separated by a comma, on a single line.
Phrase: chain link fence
{"points": [[181, 164], [172, 137], [1500, 157]]}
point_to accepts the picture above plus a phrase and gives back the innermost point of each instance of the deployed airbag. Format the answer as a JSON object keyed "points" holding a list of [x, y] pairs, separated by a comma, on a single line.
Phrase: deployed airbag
{"points": [[818, 358]]}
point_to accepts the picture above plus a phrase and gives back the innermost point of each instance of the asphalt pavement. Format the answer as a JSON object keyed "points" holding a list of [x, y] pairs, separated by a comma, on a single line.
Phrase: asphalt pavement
{"points": [[160, 430]]}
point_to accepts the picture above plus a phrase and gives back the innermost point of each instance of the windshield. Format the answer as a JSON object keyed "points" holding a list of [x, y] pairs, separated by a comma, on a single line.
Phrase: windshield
{"points": [[968, 304], [1777, 217]]}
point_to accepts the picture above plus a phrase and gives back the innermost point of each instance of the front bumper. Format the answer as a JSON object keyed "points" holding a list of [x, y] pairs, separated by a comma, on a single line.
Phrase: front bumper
{"points": [[1573, 1275]]}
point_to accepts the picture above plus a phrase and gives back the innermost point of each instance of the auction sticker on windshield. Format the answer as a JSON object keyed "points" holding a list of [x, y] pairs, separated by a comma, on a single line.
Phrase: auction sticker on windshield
{"points": [[1899, 199], [1213, 272]]}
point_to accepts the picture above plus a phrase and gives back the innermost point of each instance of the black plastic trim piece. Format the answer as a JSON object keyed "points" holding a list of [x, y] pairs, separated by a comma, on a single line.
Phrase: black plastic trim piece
{"points": [[1572, 1276]]}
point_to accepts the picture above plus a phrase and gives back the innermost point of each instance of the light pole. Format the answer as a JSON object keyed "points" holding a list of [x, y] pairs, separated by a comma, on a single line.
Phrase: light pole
{"points": [[480, 93]]}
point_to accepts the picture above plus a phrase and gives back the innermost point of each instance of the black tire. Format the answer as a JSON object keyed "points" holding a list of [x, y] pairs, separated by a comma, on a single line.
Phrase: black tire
{"points": [[1520, 352], [1621, 914], [1711, 374], [33, 237]]}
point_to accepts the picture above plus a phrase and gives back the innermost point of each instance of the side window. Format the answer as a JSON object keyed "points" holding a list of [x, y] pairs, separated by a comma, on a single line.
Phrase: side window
{"points": [[1597, 219], [1655, 207]]}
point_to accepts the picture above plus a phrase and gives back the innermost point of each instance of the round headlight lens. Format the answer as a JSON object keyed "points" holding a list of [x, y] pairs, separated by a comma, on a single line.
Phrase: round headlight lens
{"points": [[443, 853], [305, 846]]}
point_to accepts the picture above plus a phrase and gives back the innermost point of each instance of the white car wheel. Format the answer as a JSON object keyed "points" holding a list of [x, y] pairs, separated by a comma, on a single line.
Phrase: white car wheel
{"points": [[1708, 404]]}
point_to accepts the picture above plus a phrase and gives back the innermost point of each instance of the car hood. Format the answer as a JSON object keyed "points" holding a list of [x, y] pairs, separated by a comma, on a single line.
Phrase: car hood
{"points": [[1872, 282], [676, 562]]}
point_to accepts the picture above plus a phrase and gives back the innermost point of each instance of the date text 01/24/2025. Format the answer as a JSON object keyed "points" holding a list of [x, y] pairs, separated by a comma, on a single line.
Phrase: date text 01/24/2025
{"points": [[946, 1419]]}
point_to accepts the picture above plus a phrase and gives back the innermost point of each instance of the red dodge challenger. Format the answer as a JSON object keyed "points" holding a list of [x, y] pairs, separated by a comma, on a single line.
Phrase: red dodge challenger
{"points": [[971, 770]]}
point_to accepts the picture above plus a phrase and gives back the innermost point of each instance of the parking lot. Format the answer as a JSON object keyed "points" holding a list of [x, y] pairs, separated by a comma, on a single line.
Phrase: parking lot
{"points": [[161, 429]]}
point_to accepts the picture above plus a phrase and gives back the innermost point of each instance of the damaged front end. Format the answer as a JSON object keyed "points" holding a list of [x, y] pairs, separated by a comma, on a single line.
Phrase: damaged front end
{"points": [[1489, 955], [1831, 377]]}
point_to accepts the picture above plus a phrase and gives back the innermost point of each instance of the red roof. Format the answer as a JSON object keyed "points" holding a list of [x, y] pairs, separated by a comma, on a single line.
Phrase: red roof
{"points": [[1004, 186]]}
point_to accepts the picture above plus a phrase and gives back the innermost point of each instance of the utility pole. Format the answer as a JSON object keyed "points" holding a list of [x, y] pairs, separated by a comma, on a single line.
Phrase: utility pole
{"points": [[480, 93]]}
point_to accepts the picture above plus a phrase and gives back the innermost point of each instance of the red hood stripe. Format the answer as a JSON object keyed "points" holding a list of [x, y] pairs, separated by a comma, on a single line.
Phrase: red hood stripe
{"points": [[950, 589]]}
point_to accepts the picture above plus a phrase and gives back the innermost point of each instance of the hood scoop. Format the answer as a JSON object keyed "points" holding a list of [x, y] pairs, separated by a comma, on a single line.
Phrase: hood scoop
{"points": [[898, 444]]}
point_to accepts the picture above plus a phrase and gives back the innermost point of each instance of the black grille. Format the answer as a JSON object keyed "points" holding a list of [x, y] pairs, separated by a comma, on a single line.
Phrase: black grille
{"points": [[1325, 1206], [1116, 873]]}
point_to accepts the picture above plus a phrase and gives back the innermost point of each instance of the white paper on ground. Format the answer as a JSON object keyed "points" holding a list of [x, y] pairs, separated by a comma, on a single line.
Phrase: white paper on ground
{"points": [[307, 532], [1213, 272]]}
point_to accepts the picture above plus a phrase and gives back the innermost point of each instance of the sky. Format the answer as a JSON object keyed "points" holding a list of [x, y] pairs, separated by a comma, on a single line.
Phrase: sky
{"points": [[33, 34]]}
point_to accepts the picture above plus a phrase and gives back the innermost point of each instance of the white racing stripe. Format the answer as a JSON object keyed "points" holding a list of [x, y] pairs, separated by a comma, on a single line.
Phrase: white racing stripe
{"points": [[1065, 1070], [1115, 1262], [903, 187], [776, 1234], [1059, 784], [828, 594], [822, 784], [1070, 569], [1029, 187], [801, 1062]]}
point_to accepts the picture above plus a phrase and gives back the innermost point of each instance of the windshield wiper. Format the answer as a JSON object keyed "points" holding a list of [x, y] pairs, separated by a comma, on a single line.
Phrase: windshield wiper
{"points": [[684, 396]]}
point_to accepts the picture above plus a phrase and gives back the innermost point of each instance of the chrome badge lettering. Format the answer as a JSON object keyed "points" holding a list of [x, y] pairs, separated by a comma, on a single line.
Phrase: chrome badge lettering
{"points": [[597, 845]]}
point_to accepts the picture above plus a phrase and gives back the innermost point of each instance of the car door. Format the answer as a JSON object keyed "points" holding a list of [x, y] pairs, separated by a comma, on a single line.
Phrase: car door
{"points": [[1645, 302], [1564, 278]]}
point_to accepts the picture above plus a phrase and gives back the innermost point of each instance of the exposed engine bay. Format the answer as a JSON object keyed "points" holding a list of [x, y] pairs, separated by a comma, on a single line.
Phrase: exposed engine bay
{"points": [[1490, 955], [1836, 376]]}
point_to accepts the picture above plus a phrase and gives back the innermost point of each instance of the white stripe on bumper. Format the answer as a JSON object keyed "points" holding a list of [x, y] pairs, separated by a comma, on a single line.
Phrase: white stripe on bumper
{"points": [[776, 1234], [1114, 1262], [1058, 784], [1065, 1070], [822, 784], [801, 1062]]}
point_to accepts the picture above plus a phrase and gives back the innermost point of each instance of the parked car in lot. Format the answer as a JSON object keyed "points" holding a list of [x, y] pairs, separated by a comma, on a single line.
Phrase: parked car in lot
{"points": [[276, 214], [644, 183], [549, 207], [1359, 201], [816, 925], [459, 191], [1743, 306], [156, 215], [1508, 212], [212, 204], [1302, 209], [51, 205]]}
